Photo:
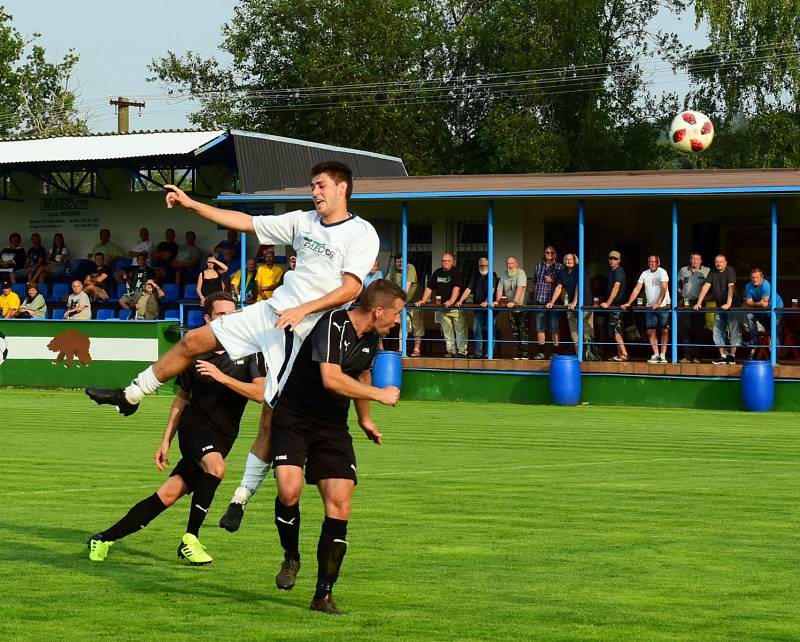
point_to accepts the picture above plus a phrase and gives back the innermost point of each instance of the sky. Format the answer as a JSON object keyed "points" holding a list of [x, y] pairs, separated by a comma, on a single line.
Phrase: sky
{"points": [[116, 41]]}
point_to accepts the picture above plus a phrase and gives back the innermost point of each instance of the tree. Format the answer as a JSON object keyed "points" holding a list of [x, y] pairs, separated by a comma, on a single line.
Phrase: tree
{"points": [[35, 95]]}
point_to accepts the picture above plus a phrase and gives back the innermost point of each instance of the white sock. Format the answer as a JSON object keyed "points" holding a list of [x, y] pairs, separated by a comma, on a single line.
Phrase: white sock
{"points": [[145, 384], [255, 472]]}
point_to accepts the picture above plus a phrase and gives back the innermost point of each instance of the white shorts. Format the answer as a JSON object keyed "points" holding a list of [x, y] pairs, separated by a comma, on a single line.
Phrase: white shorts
{"points": [[253, 330]]}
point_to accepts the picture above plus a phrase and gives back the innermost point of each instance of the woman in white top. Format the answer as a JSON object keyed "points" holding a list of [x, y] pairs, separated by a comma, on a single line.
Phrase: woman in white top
{"points": [[57, 260]]}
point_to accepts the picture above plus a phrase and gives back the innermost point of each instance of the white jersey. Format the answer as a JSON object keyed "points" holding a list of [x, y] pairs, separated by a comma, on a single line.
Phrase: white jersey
{"points": [[652, 286], [324, 253]]}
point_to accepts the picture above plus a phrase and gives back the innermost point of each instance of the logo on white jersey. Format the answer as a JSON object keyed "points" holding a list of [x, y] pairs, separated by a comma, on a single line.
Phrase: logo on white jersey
{"points": [[317, 247]]}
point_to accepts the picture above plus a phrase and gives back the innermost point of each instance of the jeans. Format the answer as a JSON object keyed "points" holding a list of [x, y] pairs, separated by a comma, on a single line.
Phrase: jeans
{"points": [[753, 318], [732, 322], [480, 323]]}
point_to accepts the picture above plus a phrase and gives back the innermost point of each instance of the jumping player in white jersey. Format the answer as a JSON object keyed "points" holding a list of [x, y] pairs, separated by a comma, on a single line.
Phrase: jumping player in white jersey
{"points": [[335, 251]]}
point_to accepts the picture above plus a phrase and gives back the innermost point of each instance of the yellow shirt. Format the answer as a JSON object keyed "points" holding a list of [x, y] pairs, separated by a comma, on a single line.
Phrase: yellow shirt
{"points": [[10, 302], [266, 277]]}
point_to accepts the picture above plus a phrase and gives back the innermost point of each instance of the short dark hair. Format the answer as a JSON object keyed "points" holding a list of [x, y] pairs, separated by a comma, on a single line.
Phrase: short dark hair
{"points": [[380, 293], [337, 171], [13, 234], [208, 304], [757, 269], [100, 254]]}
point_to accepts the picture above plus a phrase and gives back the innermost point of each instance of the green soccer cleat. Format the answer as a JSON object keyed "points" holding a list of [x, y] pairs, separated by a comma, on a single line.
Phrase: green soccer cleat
{"points": [[98, 549], [193, 551]]}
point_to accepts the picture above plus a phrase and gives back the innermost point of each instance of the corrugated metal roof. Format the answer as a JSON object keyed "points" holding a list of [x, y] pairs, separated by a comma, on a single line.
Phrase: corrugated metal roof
{"points": [[105, 146], [634, 183]]}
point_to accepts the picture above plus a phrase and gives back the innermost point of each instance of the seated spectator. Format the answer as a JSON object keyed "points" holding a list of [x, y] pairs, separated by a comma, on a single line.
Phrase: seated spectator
{"points": [[94, 285], [615, 295], [12, 258], [415, 320], [756, 295], [655, 281], [545, 277], [146, 301], [134, 279], [510, 293], [57, 260], [110, 251], [79, 306], [34, 306], [143, 246], [35, 259], [268, 276], [210, 280], [374, 275], [481, 294], [250, 290], [229, 250], [9, 302], [163, 256], [721, 282], [187, 260]]}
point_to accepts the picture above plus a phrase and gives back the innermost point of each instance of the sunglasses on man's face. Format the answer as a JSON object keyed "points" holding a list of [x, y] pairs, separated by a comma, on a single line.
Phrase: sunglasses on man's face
{"points": [[612, 258]]}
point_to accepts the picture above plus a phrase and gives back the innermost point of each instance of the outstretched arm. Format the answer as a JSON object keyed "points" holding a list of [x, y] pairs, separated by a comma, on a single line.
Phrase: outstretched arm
{"points": [[226, 218]]}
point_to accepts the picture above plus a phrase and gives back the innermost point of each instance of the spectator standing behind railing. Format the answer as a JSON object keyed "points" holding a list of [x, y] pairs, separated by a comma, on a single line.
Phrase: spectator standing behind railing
{"points": [[757, 294], [655, 281], [545, 277], [9, 302], [446, 282], [481, 294], [79, 305], [721, 282], [567, 286], [615, 295], [374, 275], [415, 320], [691, 279], [34, 306], [510, 293]]}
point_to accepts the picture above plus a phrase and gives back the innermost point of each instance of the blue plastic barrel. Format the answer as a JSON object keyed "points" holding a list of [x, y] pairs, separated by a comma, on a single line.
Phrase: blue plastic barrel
{"points": [[758, 386], [387, 369], [565, 380]]}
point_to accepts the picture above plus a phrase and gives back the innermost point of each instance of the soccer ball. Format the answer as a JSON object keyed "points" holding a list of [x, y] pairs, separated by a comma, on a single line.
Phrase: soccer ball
{"points": [[691, 132], [3, 348]]}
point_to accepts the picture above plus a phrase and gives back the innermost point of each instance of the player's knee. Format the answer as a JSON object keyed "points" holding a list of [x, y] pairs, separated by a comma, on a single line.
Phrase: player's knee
{"points": [[338, 508], [289, 496], [168, 496], [213, 466]]}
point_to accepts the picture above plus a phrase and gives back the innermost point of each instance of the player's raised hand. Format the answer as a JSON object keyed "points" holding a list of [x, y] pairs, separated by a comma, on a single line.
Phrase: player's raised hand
{"points": [[388, 396], [176, 196], [162, 461], [371, 431]]}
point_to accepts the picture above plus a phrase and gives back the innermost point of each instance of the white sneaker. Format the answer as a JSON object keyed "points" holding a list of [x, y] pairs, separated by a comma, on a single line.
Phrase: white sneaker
{"points": [[662, 358], [654, 359]]}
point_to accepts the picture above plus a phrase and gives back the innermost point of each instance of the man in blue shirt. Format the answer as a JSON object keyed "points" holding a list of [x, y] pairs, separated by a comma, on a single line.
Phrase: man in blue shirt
{"points": [[615, 296], [756, 294]]}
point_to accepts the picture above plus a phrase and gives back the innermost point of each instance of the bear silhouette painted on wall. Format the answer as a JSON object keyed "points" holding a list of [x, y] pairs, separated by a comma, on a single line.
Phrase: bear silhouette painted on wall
{"points": [[70, 345]]}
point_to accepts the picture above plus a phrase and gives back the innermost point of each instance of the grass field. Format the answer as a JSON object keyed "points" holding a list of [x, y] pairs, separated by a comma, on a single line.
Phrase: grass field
{"points": [[470, 522]]}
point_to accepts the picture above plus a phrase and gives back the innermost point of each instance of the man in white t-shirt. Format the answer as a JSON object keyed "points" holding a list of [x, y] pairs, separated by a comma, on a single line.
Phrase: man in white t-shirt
{"points": [[655, 281], [335, 251]]}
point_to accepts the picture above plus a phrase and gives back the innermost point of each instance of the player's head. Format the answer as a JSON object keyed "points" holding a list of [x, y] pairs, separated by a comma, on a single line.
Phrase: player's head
{"points": [[383, 300], [218, 304], [331, 186]]}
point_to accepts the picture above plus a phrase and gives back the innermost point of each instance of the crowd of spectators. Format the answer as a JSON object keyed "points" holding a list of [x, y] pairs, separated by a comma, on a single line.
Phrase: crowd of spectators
{"points": [[551, 293], [131, 279]]}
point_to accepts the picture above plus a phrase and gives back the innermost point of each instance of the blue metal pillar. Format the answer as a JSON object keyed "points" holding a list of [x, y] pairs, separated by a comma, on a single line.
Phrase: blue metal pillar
{"points": [[674, 279], [404, 276], [581, 273], [490, 295], [243, 267], [773, 325]]}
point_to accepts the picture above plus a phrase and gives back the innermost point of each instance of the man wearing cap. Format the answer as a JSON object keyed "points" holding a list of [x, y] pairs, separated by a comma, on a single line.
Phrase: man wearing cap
{"points": [[9, 302], [615, 296]]}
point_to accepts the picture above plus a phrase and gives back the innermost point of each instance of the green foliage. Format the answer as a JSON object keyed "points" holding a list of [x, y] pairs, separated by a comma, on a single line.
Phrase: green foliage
{"points": [[35, 95]]}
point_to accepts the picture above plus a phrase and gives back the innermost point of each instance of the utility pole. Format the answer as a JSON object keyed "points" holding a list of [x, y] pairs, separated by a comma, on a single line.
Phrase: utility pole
{"points": [[122, 105]]}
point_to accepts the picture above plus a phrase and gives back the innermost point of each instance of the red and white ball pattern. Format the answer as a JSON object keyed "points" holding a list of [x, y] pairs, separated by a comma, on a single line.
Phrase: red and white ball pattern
{"points": [[691, 132]]}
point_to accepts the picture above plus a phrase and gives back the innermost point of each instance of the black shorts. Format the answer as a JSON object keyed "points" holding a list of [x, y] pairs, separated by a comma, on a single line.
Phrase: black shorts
{"points": [[325, 449], [196, 442]]}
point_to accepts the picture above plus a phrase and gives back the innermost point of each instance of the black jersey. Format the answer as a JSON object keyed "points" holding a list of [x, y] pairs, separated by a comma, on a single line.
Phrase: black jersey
{"points": [[333, 340], [212, 404]]}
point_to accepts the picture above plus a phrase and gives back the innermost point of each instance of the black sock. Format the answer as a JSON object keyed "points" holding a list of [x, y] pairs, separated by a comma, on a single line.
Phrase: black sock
{"points": [[330, 553], [202, 497], [287, 519], [136, 518]]}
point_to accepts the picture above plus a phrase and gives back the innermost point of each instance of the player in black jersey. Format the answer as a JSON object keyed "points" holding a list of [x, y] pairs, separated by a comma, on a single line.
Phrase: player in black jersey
{"points": [[309, 428], [205, 413]]}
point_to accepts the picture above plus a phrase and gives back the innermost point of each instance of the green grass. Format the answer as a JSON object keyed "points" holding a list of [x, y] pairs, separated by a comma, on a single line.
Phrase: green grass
{"points": [[471, 522]]}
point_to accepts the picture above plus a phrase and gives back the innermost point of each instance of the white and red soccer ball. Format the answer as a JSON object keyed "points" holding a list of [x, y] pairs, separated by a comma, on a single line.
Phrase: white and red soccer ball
{"points": [[691, 132]]}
